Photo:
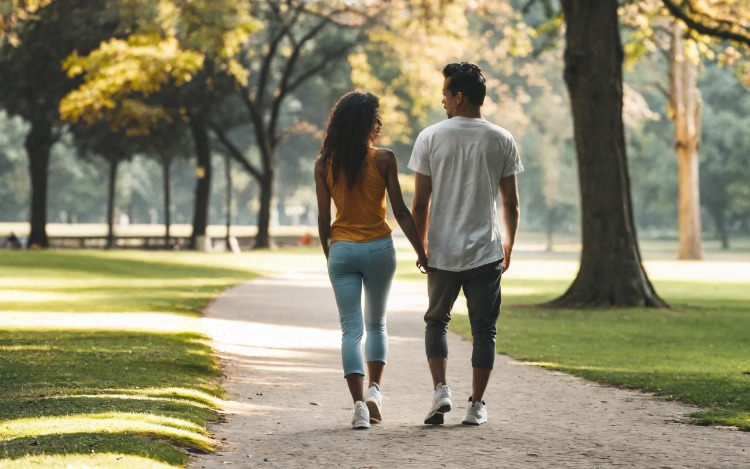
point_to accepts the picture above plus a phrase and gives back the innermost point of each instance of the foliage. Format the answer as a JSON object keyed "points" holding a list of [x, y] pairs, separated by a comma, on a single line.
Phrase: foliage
{"points": [[14, 13], [168, 48], [724, 166]]}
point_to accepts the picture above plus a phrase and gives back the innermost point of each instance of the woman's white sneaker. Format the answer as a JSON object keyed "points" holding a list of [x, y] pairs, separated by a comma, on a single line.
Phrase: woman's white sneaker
{"points": [[374, 402], [476, 413], [361, 417]]}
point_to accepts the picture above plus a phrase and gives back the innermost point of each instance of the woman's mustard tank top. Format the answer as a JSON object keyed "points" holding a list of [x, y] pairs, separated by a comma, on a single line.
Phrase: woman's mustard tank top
{"points": [[360, 211]]}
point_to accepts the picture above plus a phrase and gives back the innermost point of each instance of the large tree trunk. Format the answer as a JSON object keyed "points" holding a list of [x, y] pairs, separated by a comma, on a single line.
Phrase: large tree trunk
{"points": [[263, 238], [199, 130], [38, 143], [113, 163], [611, 273], [685, 99]]}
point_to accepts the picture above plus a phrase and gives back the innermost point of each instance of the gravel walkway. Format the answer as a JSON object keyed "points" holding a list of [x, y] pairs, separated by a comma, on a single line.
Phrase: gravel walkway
{"points": [[278, 338]]}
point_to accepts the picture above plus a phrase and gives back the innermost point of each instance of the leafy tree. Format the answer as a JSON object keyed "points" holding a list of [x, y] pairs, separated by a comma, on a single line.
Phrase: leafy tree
{"points": [[300, 40], [725, 167], [653, 29], [32, 83], [164, 70], [611, 272]]}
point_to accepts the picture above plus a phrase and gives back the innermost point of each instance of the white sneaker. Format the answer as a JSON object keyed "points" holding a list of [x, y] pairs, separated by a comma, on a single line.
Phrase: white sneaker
{"points": [[374, 402], [476, 413], [361, 417], [441, 403]]}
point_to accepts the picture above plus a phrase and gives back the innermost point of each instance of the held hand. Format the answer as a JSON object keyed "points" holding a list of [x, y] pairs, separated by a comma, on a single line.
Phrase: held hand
{"points": [[422, 265]]}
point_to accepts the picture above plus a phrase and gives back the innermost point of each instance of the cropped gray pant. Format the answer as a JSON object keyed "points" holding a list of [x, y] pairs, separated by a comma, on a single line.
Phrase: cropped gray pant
{"points": [[481, 287]]}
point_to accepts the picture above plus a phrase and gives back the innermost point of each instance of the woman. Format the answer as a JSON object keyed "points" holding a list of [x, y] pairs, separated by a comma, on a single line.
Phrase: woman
{"points": [[358, 245]]}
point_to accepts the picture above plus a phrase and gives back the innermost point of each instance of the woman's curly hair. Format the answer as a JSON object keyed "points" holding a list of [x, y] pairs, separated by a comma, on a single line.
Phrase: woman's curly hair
{"points": [[347, 134]]}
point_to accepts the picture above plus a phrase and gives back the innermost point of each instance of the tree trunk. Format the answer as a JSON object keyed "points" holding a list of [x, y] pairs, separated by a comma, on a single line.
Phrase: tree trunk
{"points": [[166, 165], [611, 273], [38, 144], [685, 100], [718, 213], [199, 130], [113, 163], [228, 174], [263, 237]]}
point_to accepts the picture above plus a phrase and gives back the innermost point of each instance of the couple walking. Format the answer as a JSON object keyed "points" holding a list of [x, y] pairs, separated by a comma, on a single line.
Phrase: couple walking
{"points": [[461, 163]]}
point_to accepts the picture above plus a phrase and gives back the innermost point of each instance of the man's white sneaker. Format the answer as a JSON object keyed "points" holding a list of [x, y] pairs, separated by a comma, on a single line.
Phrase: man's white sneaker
{"points": [[476, 413], [361, 417], [441, 403], [374, 402]]}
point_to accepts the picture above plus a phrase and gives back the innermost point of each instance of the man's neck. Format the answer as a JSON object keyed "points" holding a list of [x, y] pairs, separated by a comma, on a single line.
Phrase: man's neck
{"points": [[474, 112]]}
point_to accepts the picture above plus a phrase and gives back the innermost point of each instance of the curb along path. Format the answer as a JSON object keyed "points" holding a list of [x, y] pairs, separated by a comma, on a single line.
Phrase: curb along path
{"points": [[278, 338]]}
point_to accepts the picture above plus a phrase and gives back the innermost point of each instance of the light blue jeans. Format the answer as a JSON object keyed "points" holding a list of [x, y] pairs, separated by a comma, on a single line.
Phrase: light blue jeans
{"points": [[350, 267]]}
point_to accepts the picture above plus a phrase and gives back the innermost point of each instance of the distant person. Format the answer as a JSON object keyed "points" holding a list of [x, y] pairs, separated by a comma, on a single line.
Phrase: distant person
{"points": [[13, 241], [461, 164], [358, 245]]}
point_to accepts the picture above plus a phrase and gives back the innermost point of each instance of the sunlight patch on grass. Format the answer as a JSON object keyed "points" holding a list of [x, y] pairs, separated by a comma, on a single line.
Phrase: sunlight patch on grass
{"points": [[158, 426], [98, 321], [134, 397], [31, 285], [27, 348], [33, 296], [88, 461], [192, 395]]}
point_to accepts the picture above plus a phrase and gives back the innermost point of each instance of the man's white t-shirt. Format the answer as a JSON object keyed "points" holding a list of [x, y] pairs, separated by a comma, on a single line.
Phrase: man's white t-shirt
{"points": [[465, 158]]}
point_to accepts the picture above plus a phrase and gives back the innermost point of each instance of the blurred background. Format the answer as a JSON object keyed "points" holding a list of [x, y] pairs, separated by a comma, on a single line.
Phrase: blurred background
{"points": [[170, 122]]}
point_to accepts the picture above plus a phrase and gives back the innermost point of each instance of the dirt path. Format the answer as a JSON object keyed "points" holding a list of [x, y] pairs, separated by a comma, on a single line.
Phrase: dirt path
{"points": [[278, 338]]}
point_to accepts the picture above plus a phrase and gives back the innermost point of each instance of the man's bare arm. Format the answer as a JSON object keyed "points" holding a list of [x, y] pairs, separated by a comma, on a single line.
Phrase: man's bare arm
{"points": [[420, 207], [511, 215]]}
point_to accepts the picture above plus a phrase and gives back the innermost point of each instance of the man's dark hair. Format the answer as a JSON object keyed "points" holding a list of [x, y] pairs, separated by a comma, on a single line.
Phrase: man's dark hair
{"points": [[468, 79]]}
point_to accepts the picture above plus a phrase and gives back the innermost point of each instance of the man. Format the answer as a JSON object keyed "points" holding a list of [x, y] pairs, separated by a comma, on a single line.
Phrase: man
{"points": [[461, 163]]}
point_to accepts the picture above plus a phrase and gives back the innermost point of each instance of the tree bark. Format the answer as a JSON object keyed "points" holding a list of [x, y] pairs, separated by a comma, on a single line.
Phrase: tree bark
{"points": [[38, 143], [685, 100], [611, 273], [113, 163], [199, 129], [263, 238]]}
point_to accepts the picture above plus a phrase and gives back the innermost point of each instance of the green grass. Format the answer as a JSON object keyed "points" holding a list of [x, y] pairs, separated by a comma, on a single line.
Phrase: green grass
{"points": [[697, 352], [99, 394]]}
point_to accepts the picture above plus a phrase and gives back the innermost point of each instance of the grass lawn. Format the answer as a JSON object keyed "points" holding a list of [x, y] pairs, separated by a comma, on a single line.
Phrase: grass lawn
{"points": [[101, 364]]}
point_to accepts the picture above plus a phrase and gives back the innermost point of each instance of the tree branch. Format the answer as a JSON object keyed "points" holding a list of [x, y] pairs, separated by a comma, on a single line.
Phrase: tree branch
{"points": [[702, 28], [235, 152]]}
